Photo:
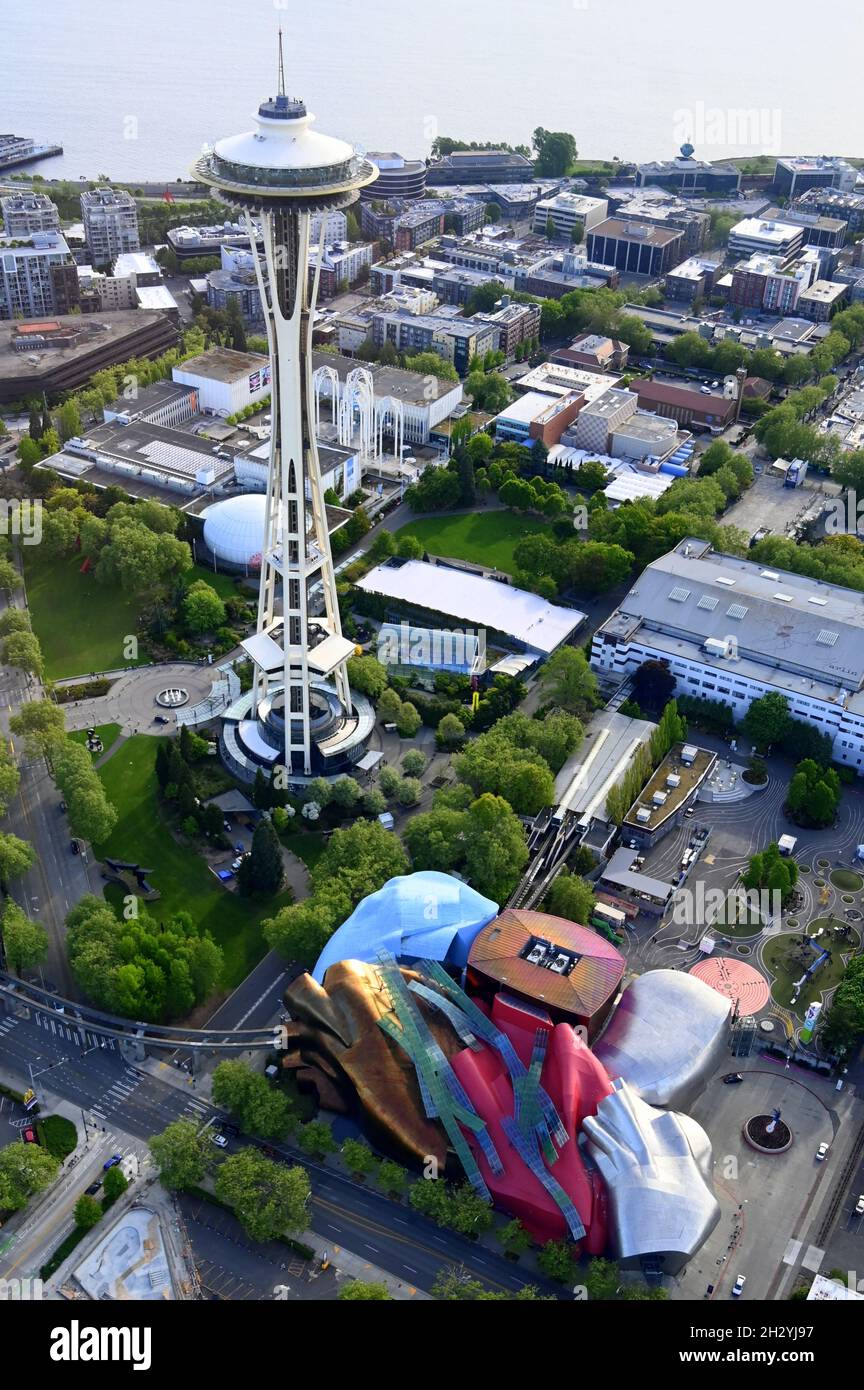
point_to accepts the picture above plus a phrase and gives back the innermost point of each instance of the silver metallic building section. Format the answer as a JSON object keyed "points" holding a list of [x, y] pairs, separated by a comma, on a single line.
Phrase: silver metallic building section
{"points": [[657, 1167], [666, 1038]]}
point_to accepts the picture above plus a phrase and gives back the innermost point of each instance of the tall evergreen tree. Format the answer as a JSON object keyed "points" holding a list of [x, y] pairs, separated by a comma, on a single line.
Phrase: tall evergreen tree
{"points": [[262, 870]]}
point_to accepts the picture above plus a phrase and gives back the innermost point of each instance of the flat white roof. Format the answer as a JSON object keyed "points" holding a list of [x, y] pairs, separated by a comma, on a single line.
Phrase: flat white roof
{"points": [[488, 602], [155, 297], [526, 408], [626, 486]]}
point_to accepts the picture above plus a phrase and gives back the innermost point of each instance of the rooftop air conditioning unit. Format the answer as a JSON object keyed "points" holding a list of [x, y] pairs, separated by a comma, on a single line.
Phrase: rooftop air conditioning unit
{"points": [[673, 780], [659, 798], [643, 815], [689, 754]]}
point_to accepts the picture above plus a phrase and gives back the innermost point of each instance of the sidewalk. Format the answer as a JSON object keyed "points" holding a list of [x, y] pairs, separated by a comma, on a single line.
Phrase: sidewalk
{"points": [[351, 1266]]}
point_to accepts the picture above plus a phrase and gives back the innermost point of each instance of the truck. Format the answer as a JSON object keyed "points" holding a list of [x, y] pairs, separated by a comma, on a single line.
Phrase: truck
{"points": [[795, 473], [612, 916]]}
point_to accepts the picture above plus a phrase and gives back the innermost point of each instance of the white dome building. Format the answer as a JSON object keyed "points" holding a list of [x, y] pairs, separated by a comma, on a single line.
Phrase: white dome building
{"points": [[234, 529]]}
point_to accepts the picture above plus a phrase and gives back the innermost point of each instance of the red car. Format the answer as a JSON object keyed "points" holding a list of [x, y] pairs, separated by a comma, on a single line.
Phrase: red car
{"points": [[29, 1135]]}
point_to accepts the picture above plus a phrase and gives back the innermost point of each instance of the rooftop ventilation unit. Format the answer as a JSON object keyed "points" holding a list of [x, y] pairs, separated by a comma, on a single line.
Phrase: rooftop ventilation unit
{"points": [[769, 574], [784, 598], [643, 815], [736, 610], [723, 579], [679, 595], [689, 754], [826, 637], [673, 780], [659, 798], [709, 602]]}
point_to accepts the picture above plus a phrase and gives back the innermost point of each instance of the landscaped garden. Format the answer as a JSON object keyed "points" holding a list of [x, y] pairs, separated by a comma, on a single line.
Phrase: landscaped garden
{"points": [[847, 879], [178, 871], [786, 960], [738, 917], [483, 538]]}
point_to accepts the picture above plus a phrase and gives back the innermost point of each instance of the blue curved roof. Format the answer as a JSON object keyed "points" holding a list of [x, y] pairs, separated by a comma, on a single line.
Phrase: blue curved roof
{"points": [[422, 916]]}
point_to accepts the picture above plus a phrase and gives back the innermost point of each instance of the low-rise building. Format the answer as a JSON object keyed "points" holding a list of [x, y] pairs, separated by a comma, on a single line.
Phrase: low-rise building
{"points": [[424, 401], [595, 351], [692, 279], [536, 416], [657, 208], [686, 403], [690, 176], [822, 300], [60, 354], [836, 203], [341, 267], [733, 630], [515, 324], [226, 381], [598, 419], [480, 166]]}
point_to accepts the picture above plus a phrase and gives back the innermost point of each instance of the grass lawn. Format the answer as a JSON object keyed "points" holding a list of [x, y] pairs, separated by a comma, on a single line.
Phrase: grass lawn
{"points": [[484, 538], [737, 917], [783, 958], [80, 624], [223, 583], [847, 879], [179, 873], [109, 733]]}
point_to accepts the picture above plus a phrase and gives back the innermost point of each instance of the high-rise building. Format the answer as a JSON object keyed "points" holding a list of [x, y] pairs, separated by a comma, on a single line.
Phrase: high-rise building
{"points": [[38, 276], [26, 213], [300, 713], [110, 224]]}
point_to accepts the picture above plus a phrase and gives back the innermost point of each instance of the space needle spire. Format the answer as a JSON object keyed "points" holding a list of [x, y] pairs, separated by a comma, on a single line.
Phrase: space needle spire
{"points": [[300, 711]]}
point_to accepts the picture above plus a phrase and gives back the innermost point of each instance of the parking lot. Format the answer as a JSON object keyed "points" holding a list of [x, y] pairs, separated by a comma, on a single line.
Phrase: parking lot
{"points": [[769, 504]]}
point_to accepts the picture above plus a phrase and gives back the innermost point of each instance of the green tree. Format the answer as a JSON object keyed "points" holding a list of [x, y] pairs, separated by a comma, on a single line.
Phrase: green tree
{"points": [[16, 857], [25, 941], [262, 871], [203, 609], [358, 860], [258, 1107], [495, 848], [571, 897], [300, 932], [358, 1157], [389, 705], [367, 675], [555, 1259], [316, 1139], [269, 1199], [42, 725], [435, 839], [114, 1184], [182, 1155], [22, 650], [450, 733], [25, 1169], [569, 680], [407, 720], [653, 685], [358, 1291], [414, 762], [514, 1237], [767, 719], [87, 1212], [391, 1177]]}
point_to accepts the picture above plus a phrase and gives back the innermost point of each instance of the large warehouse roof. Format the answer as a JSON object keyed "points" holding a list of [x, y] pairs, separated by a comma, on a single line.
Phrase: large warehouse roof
{"points": [[470, 598]]}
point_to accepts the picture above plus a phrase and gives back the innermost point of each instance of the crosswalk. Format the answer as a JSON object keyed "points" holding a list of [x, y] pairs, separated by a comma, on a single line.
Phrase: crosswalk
{"points": [[74, 1033]]}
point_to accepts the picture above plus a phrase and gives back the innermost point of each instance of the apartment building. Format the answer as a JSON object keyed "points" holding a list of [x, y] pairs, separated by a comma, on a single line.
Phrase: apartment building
{"points": [[110, 224], [457, 340], [515, 324], [38, 276], [26, 213], [771, 284]]}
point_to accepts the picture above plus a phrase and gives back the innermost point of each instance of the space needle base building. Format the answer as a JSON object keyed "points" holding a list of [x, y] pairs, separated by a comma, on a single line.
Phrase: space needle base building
{"points": [[300, 713]]}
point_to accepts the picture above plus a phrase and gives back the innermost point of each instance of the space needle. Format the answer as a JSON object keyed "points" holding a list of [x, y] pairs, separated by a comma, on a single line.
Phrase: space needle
{"points": [[300, 711]]}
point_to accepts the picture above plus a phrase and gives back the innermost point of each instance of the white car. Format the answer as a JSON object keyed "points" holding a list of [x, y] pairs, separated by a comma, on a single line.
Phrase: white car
{"points": [[738, 1286], [706, 390], [219, 1140], [237, 862], [822, 1153], [859, 1206]]}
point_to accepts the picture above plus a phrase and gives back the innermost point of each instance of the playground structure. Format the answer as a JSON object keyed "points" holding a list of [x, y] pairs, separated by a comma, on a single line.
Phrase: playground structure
{"points": [[131, 877], [822, 957]]}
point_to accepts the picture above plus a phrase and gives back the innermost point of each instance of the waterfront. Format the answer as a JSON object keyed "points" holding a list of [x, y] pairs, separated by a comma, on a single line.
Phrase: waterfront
{"points": [[134, 91]]}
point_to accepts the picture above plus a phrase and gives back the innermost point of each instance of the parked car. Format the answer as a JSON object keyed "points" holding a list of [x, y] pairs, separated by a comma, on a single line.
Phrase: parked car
{"points": [[94, 1188], [859, 1206], [738, 1286], [219, 1140], [732, 1078], [74, 846], [237, 862], [112, 1162], [822, 1153], [29, 1135]]}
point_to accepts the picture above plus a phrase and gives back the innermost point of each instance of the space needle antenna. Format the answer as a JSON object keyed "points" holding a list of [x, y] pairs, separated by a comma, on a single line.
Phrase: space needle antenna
{"points": [[281, 66]]}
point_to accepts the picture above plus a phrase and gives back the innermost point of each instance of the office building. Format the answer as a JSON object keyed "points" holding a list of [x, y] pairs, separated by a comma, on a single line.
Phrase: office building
{"points": [[570, 214], [733, 630], [657, 208], [397, 177], [827, 232], [634, 248], [832, 202], [798, 174], [690, 176], [480, 166], [37, 276], [758, 235], [110, 224], [26, 213]]}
